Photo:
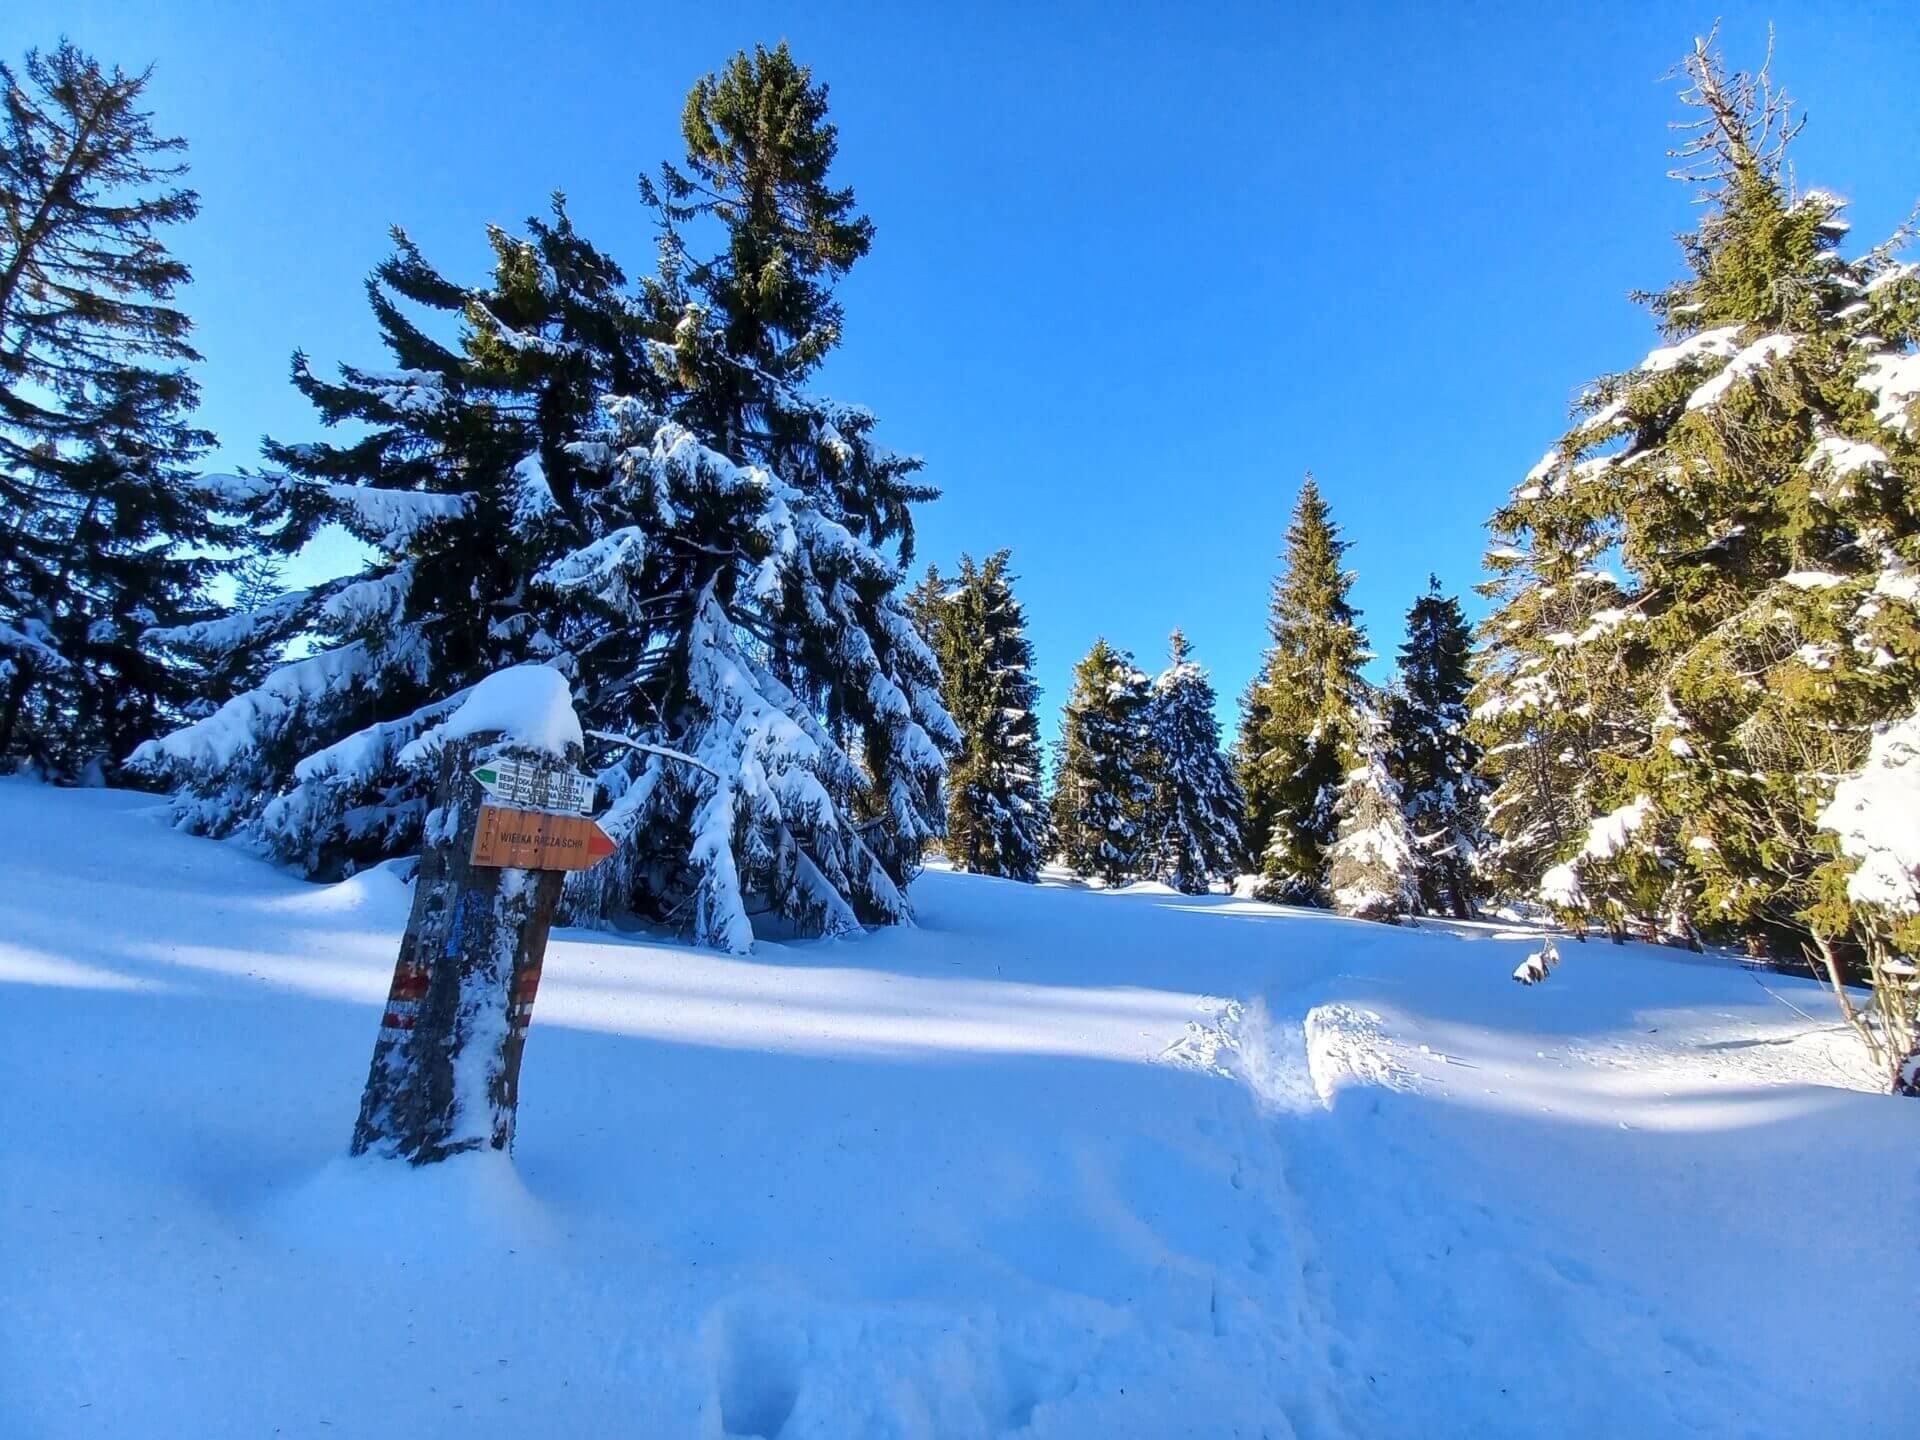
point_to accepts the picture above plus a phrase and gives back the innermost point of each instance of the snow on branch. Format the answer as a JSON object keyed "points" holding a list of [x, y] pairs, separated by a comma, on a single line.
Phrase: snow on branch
{"points": [[24, 643], [1760, 353], [230, 632], [1876, 814], [1606, 837], [1723, 342], [1537, 966], [386, 518], [603, 566], [416, 392], [391, 518], [363, 755], [665, 752], [1894, 382], [358, 603], [240, 724]]}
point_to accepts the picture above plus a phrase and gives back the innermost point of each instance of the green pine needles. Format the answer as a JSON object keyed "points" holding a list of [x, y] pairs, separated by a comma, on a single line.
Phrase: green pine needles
{"points": [[105, 535], [1706, 591], [996, 818], [1300, 725]]}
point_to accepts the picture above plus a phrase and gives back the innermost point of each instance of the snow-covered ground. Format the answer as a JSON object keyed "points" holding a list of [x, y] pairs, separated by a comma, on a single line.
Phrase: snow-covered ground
{"points": [[1053, 1163]]}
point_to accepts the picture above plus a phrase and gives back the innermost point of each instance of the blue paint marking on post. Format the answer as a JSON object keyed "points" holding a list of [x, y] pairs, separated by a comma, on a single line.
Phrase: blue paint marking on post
{"points": [[453, 930]]}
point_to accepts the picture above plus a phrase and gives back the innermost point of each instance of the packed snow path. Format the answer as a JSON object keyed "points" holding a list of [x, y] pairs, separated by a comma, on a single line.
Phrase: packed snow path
{"points": [[1053, 1163]]}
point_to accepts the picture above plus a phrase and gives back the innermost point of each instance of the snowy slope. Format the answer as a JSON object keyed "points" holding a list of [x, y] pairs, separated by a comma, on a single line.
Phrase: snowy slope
{"points": [[1053, 1163]]}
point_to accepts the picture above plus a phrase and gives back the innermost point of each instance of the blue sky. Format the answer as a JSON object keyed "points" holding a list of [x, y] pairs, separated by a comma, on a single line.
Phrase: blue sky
{"points": [[1136, 267]]}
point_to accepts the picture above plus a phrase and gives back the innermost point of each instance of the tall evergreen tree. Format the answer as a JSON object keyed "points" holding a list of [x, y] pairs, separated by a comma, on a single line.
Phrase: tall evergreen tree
{"points": [[1101, 784], [103, 536], [1758, 474], [1373, 865], [760, 150], [1299, 723], [746, 327], [749, 324], [597, 480], [1553, 691], [1193, 825], [996, 823], [1432, 757]]}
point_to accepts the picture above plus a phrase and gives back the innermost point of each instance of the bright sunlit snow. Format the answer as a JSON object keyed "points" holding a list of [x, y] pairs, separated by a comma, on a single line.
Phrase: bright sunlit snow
{"points": [[1054, 1162]]}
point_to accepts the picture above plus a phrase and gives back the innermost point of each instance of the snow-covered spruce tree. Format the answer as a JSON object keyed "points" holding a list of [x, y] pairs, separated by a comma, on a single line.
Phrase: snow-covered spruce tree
{"points": [[1102, 783], [1299, 717], [1759, 475], [1553, 695], [1373, 866], [1432, 757], [996, 822], [735, 789], [762, 713], [103, 535], [462, 450], [1194, 816], [769, 720]]}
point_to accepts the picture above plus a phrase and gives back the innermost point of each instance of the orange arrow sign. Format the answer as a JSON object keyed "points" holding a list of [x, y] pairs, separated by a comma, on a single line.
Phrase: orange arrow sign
{"points": [[538, 840]]}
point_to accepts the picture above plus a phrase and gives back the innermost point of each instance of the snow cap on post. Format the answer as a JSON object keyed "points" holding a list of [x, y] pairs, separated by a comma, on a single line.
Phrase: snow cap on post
{"points": [[529, 706]]}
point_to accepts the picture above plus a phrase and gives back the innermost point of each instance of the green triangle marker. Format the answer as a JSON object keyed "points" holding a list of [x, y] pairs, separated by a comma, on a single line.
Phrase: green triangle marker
{"points": [[487, 777]]}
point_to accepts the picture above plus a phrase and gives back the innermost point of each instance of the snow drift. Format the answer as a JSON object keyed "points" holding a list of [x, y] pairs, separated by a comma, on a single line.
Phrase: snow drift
{"points": [[1052, 1163]]}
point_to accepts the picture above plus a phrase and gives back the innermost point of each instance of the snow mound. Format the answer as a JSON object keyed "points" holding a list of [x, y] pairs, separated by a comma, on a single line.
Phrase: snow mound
{"points": [[1346, 1046], [530, 705], [375, 1210], [1292, 1066], [1210, 1046]]}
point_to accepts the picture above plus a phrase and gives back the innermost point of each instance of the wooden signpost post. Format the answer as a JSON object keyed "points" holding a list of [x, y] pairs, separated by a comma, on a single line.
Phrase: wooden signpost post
{"points": [[469, 965]]}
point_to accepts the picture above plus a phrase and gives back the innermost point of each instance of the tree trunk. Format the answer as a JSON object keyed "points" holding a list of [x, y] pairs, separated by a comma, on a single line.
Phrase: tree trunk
{"points": [[1906, 1074], [16, 698], [1458, 891], [446, 1066]]}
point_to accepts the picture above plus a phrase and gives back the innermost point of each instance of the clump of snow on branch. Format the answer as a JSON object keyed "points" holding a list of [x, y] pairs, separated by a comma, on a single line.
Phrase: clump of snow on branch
{"points": [[1606, 837], [1537, 966], [1894, 382], [216, 742], [1762, 352], [1876, 814], [1723, 342], [385, 518]]}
